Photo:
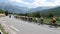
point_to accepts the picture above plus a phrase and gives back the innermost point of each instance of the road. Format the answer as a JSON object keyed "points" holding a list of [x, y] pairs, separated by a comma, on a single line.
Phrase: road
{"points": [[24, 27]]}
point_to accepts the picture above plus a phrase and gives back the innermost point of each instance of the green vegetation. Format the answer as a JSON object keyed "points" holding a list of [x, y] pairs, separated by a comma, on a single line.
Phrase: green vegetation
{"points": [[1, 11], [2, 29], [34, 14], [38, 14], [6, 13], [55, 11]]}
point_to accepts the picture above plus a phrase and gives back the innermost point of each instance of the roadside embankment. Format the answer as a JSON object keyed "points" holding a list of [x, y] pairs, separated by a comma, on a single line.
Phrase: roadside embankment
{"points": [[2, 15]]}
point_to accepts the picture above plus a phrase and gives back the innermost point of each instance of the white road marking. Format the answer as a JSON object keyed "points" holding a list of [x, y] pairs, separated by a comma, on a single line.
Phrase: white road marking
{"points": [[14, 28], [9, 28]]}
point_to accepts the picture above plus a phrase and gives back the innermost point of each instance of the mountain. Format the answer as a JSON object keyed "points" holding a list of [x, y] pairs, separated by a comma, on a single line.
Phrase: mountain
{"points": [[17, 9], [55, 11], [13, 8], [46, 11], [41, 8]]}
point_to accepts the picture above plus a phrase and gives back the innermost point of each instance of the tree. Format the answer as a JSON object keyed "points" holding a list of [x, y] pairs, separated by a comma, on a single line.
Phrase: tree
{"points": [[50, 15], [6, 13], [26, 14], [36, 14]]}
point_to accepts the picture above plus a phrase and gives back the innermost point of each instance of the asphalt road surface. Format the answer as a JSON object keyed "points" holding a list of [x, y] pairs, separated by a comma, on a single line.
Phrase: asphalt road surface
{"points": [[24, 27]]}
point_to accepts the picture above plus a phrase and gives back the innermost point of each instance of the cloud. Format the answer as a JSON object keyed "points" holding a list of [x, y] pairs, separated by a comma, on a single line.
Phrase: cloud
{"points": [[37, 3], [45, 3], [57, 2], [20, 1], [16, 0]]}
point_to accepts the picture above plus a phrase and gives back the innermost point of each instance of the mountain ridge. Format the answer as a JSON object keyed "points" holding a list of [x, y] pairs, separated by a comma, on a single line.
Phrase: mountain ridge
{"points": [[18, 9]]}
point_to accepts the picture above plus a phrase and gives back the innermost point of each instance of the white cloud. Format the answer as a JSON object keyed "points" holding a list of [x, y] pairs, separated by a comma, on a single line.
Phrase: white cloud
{"points": [[37, 3], [45, 3], [20, 1], [57, 2], [16, 0]]}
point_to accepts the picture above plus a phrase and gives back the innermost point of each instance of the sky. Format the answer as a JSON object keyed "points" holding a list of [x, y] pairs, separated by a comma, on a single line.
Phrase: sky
{"points": [[32, 3]]}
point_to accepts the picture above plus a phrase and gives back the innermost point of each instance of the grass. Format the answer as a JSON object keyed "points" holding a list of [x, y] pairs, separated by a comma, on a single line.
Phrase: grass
{"points": [[46, 20], [2, 29]]}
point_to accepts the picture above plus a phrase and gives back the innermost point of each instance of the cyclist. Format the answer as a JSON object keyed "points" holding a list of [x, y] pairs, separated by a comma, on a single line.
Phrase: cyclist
{"points": [[53, 22]]}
